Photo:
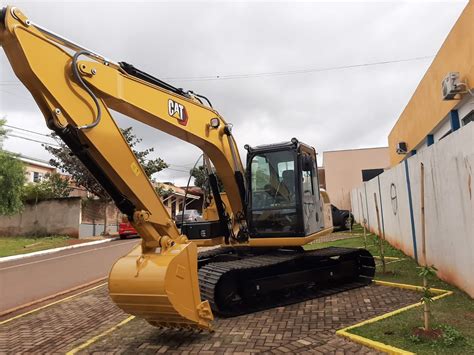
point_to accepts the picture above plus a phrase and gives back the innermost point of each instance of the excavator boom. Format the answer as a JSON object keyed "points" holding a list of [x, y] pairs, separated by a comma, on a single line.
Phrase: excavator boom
{"points": [[158, 280]]}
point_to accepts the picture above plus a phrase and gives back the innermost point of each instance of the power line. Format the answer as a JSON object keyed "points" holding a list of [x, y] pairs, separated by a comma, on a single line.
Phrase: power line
{"points": [[181, 171], [293, 72], [27, 130], [32, 140], [179, 168], [270, 74]]}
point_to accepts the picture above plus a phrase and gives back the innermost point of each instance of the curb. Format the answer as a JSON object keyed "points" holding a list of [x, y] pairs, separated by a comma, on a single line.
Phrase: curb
{"points": [[379, 345], [54, 250]]}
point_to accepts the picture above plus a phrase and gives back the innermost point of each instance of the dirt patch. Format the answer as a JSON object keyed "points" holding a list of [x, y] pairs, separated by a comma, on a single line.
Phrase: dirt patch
{"points": [[469, 315], [431, 334]]}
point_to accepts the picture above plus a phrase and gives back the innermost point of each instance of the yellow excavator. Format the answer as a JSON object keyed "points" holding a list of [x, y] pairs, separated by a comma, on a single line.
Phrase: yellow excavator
{"points": [[269, 209]]}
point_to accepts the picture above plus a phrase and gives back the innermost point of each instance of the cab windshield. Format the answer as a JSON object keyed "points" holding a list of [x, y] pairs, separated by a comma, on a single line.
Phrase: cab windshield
{"points": [[273, 192]]}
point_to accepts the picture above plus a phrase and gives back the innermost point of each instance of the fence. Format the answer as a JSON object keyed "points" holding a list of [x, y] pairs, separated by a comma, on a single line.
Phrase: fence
{"points": [[448, 206]]}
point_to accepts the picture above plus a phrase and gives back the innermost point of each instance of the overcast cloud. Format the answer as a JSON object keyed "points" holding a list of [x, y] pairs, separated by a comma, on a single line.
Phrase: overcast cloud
{"points": [[331, 110]]}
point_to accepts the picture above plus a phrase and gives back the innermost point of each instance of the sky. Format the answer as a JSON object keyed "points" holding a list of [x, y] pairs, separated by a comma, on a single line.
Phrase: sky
{"points": [[335, 75]]}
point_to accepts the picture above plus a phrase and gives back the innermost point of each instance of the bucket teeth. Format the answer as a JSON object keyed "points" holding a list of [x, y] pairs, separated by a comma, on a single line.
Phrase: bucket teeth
{"points": [[176, 326]]}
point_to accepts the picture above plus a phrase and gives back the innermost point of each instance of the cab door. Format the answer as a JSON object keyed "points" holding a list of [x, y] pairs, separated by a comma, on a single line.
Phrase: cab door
{"points": [[311, 202]]}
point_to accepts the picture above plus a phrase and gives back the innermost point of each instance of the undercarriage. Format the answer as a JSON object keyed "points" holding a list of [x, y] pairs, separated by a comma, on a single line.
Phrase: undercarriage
{"points": [[242, 280]]}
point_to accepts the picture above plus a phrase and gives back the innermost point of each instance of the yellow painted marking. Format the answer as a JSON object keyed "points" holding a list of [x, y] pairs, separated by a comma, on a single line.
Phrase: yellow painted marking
{"points": [[97, 337], [376, 344], [51, 304], [373, 344], [135, 168]]}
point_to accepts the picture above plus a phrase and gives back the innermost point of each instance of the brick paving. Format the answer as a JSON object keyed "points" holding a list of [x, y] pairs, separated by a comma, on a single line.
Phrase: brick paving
{"points": [[59, 328], [306, 327]]}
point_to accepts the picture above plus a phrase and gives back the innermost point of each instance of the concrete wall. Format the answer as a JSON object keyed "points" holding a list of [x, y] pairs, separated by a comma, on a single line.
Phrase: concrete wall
{"points": [[426, 110], [94, 229], [343, 171], [55, 216], [449, 206]]}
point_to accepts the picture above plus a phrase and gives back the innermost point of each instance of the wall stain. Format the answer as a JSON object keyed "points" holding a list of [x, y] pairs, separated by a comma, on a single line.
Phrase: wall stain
{"points": [[469, 176]]}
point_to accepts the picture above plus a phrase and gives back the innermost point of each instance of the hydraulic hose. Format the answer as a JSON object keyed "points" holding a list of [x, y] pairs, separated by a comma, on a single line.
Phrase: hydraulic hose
{"points": [[3, 13], [89, 91]]}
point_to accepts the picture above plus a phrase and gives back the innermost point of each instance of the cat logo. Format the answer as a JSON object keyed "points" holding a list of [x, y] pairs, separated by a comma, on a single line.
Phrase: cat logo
{"points": [[178, 111]]}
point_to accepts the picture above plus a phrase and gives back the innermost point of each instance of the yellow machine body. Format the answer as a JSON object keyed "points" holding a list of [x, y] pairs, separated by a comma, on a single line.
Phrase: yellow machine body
{"points": [[158, 280]]}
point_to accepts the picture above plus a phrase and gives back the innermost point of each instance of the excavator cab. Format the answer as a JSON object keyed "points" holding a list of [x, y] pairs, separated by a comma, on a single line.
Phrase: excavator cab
{"points": [[283, 204], [283, 197]]}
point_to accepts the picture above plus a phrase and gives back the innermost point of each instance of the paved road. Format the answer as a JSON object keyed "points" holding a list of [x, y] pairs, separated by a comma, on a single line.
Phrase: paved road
{"points": [[29, 279], [307, 327]]}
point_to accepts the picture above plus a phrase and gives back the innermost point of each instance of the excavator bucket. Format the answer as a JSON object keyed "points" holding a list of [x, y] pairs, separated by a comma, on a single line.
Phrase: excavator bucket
{"points": [[162, 288]]}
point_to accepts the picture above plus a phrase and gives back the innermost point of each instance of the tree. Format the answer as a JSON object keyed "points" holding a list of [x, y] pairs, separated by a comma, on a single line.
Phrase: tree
{"points": [[200, 176], [201, 179], [66, 161], [12, 179], [3, 131]]}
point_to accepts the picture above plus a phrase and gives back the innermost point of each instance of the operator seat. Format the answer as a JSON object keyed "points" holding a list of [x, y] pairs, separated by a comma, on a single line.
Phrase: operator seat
{"points": [[288, 179]]}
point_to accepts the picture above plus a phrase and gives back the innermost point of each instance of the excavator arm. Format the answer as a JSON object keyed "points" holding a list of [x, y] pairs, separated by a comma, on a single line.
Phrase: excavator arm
{"points": [[75, 88]]}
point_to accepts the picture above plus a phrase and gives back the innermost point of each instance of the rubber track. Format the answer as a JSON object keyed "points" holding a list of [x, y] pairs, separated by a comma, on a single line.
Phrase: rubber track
{"points": [[211, 273]]}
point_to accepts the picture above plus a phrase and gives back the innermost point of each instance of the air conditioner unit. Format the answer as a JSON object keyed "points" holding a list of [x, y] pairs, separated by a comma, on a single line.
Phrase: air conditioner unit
{"points": [[451, 86], [402, 148]]}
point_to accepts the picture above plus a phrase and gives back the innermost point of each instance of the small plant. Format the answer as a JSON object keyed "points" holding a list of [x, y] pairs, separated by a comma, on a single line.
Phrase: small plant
{"points": [[415, 339], [450, 335], [427, 298]]}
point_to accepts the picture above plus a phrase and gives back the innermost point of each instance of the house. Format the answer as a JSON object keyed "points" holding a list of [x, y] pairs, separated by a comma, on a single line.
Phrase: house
{"points": [[174, 198], [347, 169], [35, 168]]}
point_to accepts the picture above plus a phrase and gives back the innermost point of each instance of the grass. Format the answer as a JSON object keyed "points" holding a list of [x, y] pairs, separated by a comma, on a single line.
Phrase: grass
{"points": [[21, 245], [455, 314]]}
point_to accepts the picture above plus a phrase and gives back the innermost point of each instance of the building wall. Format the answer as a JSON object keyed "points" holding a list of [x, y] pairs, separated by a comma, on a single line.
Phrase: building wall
{"points": [[56, 216], [426, 109], [343, 171], [31, 169], [449, 206]]}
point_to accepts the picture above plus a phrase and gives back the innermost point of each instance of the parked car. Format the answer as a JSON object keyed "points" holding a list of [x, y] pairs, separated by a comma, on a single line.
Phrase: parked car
{"points": [[189, 216], [341, 219], [127, 231]]}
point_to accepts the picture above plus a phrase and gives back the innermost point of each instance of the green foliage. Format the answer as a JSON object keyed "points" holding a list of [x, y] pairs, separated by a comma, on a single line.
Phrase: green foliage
{"points": [[415, 339], [200, 176], [449, 338], [151, 166], [12, 179], [201, 179], [162, 191], [28, 244], [65, 161], [450, 335], [52, 186], [426, 272], [3, 130]]}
